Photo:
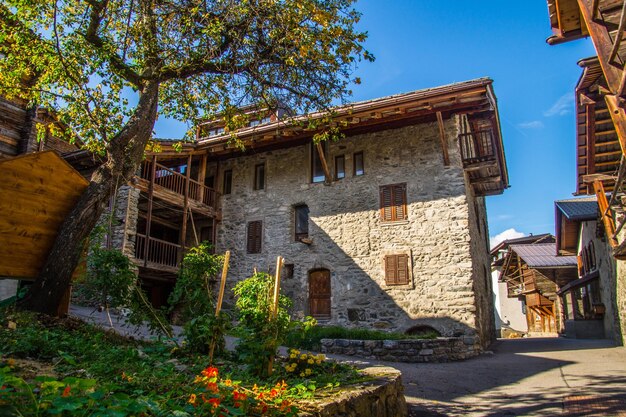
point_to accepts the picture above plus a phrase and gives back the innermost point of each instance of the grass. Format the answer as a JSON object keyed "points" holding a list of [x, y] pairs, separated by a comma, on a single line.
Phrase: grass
{"points": [[149, 371], [311, 338]]}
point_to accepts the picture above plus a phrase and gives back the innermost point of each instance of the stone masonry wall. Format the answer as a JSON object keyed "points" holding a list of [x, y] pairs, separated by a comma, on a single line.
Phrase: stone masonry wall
{"points": [[605, 263], [348, 237], [442, 349]]}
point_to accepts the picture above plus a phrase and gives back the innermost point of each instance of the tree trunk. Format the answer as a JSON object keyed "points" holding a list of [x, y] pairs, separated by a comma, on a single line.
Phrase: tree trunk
{"points": [[124, 154]]}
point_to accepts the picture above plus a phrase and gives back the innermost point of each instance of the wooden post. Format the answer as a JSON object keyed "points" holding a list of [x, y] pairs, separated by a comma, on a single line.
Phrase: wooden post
{"points": [[146, 245], [220, 299], [274, 314], [320, 151], [442, 137], [183, 231], [201, 177], [606, 213]]}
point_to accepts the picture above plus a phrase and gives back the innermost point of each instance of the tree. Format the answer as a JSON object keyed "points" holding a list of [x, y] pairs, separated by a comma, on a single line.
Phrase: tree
{"points": [[107, 68]]}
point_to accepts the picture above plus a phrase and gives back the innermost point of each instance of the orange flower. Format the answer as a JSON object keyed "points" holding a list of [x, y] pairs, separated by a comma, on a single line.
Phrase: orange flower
{"points": [[212, 386], [210, 372], [192, 399], [284, 405], [215, 402], [239, 396], [66, 392], [228, 382], [273, 393]]}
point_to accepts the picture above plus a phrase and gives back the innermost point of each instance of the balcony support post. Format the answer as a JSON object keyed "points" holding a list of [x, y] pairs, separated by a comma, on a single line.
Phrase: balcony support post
{"points": [[149, 215], [183, 230]]}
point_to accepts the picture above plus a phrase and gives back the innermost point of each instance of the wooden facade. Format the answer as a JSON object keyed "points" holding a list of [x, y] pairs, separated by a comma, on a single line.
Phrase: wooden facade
{"points": [[38, 191], [601, 100]]}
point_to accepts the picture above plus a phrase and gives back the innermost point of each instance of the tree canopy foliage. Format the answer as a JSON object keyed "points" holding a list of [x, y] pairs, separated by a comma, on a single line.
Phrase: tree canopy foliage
{"points": [[89, 60], [108, 68]]}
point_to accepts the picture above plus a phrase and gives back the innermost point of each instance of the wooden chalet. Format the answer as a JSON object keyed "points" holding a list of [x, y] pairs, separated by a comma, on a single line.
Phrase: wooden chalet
{"points": [[179, 202], [533, 274], [601, 92]]}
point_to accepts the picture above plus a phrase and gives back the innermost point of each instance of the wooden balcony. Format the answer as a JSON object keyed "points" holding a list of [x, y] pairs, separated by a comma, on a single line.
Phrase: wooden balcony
{"points": [[156, 253], [481, 160], [173, 186]]}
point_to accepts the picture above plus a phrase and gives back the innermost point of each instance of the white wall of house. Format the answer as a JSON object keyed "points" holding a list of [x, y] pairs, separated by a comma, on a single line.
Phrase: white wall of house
{"points": [[509, 312]]}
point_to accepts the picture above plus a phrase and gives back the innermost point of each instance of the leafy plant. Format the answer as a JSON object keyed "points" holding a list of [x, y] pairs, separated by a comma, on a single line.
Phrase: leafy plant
{"points": [[111, 280], [261, 331], [193, 299]]}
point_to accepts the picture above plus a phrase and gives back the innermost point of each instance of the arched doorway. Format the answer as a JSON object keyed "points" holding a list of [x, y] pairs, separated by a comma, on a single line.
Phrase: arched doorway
{"points": [[319, 293]]}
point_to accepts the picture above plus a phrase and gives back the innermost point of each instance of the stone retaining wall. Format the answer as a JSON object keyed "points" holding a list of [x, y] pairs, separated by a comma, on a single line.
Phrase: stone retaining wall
{"points": [[442, 349], [383, 396]]}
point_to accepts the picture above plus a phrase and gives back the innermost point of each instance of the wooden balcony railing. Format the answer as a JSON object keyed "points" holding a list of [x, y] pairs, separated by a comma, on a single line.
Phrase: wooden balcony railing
{"points": [[175, 181], [477, 147], [159, 251]]}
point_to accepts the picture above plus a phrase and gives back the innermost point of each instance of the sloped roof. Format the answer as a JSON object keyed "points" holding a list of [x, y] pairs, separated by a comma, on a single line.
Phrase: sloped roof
{"points": [[578, 209], [543, 255]]}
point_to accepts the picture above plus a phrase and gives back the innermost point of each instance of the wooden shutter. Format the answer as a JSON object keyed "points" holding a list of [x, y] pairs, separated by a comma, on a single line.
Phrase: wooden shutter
{"points": [[393, 202], [386, 211], [255, 236], [397, 269]]}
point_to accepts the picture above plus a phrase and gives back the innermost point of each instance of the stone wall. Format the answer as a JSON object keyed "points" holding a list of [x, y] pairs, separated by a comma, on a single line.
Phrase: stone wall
{"points": [[442, 349], [349, 239], [383, 396], [126, 214], [605, 264], [8, 288]]}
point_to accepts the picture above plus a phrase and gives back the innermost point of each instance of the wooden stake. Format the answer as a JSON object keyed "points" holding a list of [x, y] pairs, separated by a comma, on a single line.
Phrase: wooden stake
{"points": [[320, 151], [279, 265], [220, 299]]}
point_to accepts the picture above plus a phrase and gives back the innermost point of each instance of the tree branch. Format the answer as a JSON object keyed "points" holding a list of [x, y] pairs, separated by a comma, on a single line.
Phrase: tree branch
{"points": [[118, 65]]}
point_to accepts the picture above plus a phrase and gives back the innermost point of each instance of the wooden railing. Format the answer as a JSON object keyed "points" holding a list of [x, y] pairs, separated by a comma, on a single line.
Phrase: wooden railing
{"points": [[159, 251], [175, 181], [477, 147]]}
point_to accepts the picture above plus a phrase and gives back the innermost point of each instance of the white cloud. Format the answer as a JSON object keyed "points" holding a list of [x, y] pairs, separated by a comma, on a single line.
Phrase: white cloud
{"points": [[535, 124], [507, 234], [564, 105]]}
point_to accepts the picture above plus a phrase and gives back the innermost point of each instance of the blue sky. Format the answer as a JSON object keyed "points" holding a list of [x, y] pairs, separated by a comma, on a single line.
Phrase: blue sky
{"points": [[425, 43]]}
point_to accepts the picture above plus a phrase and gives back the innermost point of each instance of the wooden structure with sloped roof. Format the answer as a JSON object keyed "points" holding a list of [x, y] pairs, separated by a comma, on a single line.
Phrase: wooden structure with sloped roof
{"points": [[38, 191]]}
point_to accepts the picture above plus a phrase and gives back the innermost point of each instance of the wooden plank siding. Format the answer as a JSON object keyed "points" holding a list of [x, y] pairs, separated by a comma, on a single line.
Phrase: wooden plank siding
{"points": [[38, 191]]}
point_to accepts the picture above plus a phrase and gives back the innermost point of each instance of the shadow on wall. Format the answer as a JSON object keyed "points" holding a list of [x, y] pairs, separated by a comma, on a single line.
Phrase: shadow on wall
{"points": [[439, 295]]}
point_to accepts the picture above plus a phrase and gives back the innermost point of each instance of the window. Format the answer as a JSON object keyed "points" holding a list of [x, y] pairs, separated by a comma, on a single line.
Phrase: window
{"points": [[397, 269], [340, 167], [255, 236], [288, 271], [393, 202], [359, 167], [301, 218], [259, 177], [228, 182], [317, 170]]}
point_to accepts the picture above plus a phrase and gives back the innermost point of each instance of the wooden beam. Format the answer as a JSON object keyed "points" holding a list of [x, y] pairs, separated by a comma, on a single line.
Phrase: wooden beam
{"points": [[159, 220], [149, 216], [603, 45], [202, 176], [619, 120], [591, 137], [442, 138], [606, 213], [320, 151]]}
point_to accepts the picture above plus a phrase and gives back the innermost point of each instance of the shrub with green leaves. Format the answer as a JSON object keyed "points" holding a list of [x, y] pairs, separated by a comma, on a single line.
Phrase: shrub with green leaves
{"points": [[261, 334], [194, 300]]}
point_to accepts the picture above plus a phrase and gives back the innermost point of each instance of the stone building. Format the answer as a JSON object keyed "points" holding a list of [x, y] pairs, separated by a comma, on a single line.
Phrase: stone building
{"points": [[384, 228]]}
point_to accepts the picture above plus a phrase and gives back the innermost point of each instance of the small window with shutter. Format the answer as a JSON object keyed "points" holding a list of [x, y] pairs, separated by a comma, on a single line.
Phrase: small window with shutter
{"points": [[255, 236], [397, 269], [393, 203]]}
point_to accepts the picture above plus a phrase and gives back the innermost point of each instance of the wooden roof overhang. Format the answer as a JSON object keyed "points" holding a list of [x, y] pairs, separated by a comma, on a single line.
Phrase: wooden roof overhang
{"points": [[566, 21], [598, 150], [474, 100]]}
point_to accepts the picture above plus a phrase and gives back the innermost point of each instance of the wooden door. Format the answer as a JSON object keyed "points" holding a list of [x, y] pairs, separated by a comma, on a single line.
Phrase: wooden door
{"points": [[319, 294]]}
